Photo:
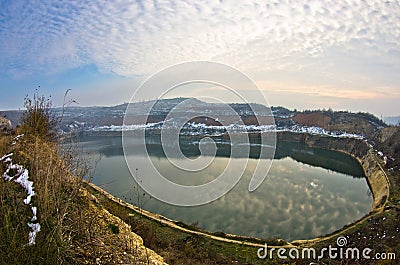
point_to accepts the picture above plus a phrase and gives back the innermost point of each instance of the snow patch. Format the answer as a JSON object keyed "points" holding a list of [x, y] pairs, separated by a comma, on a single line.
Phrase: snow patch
{"points": [[32, 235], [22, 179], [6, 156], [16, 138]]}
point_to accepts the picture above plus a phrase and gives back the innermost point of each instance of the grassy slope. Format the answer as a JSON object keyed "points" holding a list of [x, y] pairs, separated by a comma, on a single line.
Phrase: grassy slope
{"points": [[74, 228]]}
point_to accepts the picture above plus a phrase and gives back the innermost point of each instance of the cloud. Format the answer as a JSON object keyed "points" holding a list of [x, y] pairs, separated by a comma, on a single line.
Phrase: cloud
{"points": [[137, 38], [321, 51]]}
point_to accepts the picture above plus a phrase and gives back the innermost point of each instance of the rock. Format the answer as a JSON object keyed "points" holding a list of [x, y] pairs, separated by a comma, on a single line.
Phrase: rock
{"points": [[108, 246], [94, 199], [5, 124]]}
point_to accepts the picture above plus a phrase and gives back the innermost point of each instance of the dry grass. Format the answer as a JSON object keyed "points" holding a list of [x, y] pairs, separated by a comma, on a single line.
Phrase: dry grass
{"points": [[74, 228], [57, 185]]}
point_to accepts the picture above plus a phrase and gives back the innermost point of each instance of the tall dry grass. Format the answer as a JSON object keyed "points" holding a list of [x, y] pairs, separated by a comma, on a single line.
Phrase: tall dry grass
{"points": [[57, 174]]}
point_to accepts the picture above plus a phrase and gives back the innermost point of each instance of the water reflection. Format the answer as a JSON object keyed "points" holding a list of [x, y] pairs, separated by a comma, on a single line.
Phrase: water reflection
{"points": [[331, 160], [308, 192]]}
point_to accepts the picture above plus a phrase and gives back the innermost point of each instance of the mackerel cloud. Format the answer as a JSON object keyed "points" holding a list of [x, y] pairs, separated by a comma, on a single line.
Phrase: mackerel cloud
{"points": [[137, 38]]}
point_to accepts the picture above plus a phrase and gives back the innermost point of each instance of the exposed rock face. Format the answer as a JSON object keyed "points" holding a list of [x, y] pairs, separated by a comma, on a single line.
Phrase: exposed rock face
{"points": [[377, 180], [112, 241], [359, 123], [375, 174], [387, 141], [5, 124]]}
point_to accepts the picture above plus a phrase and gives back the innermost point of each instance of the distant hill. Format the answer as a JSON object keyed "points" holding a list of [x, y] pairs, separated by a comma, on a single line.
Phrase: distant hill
{"points": [[87, 118]]}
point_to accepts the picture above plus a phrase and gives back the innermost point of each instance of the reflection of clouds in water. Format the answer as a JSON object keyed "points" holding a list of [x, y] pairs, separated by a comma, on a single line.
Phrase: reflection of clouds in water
{"points": [[183, 177], [289, 205], [285, 205]]}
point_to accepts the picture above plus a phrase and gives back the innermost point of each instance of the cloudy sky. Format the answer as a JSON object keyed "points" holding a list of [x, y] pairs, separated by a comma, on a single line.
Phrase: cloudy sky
{"points": [[302, 54]]}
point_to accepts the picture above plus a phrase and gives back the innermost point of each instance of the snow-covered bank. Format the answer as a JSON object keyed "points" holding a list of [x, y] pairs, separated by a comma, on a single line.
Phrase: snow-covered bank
{"points": [[196, 129], [313, 130]]}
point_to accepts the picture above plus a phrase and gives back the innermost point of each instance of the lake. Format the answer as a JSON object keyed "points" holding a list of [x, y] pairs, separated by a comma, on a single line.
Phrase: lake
{"points": [[308, 192]]}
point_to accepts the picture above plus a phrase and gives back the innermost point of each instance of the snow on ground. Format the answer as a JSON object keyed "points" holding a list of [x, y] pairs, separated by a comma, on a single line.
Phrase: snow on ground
{"points": [[212, 130], [16, 138], [21, 177]]}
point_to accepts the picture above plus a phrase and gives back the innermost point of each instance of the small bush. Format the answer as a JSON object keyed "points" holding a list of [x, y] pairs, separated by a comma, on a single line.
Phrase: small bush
{"points": [[38, 120], [114, 228]]}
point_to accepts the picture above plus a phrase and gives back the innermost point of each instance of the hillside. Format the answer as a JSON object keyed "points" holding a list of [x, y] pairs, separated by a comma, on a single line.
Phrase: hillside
{"points": [[46, 214], [387, 141], [83, 119]]}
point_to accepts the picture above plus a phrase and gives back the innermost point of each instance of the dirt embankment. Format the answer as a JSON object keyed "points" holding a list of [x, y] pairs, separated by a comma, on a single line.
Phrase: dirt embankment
{"points": [[111, 240]]}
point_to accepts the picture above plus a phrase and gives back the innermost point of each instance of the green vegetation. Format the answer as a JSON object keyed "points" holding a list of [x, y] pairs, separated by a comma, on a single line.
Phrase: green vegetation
{"points": [[114, 228]]}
